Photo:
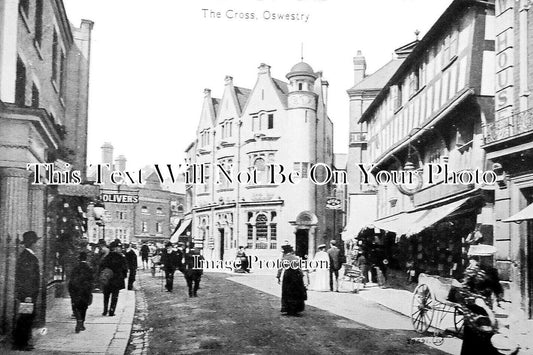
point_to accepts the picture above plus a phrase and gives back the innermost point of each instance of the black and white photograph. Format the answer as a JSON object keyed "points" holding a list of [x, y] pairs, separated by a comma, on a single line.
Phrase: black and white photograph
{"points": [[266, 177]]}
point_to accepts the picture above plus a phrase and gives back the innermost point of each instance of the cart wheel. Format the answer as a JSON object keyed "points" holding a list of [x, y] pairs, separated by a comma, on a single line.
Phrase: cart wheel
{"points": [[422, 310], [458, 320]]}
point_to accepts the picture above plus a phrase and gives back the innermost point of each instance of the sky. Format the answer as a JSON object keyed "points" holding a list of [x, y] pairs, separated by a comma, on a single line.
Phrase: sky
{"points": [[151, 60]]}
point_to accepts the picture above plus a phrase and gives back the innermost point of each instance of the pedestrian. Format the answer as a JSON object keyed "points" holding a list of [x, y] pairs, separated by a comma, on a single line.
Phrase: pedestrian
{"points": [[27, 281], [145, 252], [293, 292], [114, 270], [241, 256], [80, 288], [192, 269], [334, 265], [362, 263], [100, 252], [480, 287], [321, 274], [171, 260], [131, 259]]}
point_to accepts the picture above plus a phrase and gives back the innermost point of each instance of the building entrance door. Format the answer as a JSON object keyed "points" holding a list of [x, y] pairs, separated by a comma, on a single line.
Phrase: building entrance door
{"points": [[221, 245], [302, 242]]}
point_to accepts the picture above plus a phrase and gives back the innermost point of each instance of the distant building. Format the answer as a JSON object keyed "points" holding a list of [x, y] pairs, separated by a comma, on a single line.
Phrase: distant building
{"points": [[151, 215], [44, 73], [247, 131]]}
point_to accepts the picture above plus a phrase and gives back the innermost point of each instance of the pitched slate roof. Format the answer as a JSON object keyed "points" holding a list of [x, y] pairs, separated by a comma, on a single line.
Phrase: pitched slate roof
{"points": [[242, 96], [282, 88], [379, 78]]}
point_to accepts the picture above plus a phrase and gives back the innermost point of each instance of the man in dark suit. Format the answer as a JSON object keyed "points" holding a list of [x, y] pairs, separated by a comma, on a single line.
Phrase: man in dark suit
{"points": [[131, 258], [171, 260], [80, 288], [27, 283], [334, 265], [192, 270], [116, 264]]}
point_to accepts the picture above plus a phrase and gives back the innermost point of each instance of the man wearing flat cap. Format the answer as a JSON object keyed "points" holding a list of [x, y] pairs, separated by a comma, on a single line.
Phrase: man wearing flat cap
{"points": [[27, 283]]}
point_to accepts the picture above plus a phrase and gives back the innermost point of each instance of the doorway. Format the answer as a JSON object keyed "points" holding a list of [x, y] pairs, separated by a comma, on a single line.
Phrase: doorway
{"points": [[221, 242], [302, 242]]}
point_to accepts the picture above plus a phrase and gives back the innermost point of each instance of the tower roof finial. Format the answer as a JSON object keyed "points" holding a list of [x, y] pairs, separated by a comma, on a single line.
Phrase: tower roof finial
{"points": [[302, 52]]}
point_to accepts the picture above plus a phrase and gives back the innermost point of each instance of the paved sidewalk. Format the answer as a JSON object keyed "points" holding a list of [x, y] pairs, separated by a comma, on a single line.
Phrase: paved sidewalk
{"points": [[103, 334], [359, 307]]}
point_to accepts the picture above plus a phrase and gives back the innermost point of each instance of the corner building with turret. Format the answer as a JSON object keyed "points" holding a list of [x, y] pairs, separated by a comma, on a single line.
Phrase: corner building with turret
{"points": [[277, 122]]}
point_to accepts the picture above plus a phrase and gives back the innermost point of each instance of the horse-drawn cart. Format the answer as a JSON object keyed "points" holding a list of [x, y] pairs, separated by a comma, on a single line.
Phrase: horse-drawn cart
{"points": [[430, 303]]}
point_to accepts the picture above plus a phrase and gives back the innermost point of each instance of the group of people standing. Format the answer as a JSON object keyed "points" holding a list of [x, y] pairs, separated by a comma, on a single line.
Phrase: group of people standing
{"points": [[185, 259]]}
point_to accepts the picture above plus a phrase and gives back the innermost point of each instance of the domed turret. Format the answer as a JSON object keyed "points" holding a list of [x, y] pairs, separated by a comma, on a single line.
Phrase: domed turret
{"points": [[301, 69]]}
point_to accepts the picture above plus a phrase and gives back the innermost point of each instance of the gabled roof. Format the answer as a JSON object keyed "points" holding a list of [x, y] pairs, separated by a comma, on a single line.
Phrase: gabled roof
{"points": [[216, 102], [283, 90], [441, 25], [378, 79], [242, 96]]}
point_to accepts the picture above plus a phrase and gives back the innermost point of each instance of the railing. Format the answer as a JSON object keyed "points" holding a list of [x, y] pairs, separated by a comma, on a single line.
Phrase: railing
{"points": [[508, 127], [357, 137]]}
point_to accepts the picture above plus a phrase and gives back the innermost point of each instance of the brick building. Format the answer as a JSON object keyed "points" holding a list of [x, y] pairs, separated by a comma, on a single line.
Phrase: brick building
{"points": [[508, 142], [152, 216], [44, 69]]}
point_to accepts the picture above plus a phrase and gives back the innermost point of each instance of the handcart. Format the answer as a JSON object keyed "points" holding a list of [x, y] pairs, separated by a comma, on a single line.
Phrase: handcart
{"points": [[430, 303]]}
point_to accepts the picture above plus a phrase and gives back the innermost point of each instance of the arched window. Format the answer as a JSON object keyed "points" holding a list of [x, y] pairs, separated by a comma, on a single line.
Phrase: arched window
{"points": [[262, 230]]}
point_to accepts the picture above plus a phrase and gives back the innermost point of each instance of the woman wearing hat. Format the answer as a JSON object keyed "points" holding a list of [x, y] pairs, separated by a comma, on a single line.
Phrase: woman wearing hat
{"points": [[321, 280], [293, 292], [116, 263], [480, 286]]}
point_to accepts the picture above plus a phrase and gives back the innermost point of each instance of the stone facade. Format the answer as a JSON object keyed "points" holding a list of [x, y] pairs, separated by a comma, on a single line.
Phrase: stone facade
{"points": [[244, 132], [42, 94]]}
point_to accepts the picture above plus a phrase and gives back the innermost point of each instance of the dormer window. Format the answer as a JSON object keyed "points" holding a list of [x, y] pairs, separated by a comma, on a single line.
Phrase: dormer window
{"points": [[226, 128], [262, 122], [204, 138]]}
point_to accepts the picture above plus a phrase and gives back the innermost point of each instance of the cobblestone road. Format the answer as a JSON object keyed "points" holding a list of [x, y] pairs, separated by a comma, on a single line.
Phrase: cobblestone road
{"points": [[231, 318]]}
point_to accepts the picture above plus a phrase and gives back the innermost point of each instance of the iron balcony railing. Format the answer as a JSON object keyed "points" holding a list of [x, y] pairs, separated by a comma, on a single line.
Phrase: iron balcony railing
{"points": [[517, 124]]}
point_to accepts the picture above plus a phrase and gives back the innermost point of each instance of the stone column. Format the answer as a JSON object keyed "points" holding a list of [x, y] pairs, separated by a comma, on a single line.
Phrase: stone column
{"points": [[13, 223], [37, 201]]}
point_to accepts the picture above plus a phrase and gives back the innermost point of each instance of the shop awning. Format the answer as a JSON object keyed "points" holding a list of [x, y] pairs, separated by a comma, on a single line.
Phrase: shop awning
{"points": [[525, 214], [183, 226], [399, 223], [362, 214], [427, 218]]}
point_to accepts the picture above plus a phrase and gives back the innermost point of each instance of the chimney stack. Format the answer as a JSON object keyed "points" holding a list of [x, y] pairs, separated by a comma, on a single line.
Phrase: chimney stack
{"points": [[264, 69], [121, 163], [107, 154], [359, 67]]}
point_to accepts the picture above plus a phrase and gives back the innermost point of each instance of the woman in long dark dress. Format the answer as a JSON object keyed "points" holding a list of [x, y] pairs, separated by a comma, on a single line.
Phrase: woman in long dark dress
{"points": [[80, 288], [293, 292]]}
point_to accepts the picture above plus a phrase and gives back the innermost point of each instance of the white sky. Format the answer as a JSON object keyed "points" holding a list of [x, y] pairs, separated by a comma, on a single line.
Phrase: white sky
{"points": [[152, 59]]}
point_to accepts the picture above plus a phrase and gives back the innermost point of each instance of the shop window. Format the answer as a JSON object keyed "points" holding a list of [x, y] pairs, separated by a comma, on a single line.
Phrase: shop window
{"points": [[262, 230]]}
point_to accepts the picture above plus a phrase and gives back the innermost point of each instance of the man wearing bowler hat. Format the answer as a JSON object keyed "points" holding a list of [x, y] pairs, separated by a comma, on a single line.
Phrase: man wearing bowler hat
{"points": [[27, 281]]}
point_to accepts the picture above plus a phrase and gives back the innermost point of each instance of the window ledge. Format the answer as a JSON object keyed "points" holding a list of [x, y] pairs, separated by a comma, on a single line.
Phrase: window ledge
{"points": [[225, 189], [38, 49], [452, 60], [416, 93], [261, 186], [203, 194]]}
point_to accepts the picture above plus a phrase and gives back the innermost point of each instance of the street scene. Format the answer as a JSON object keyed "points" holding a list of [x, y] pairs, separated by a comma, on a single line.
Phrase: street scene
{"points": [[266, 177]]}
